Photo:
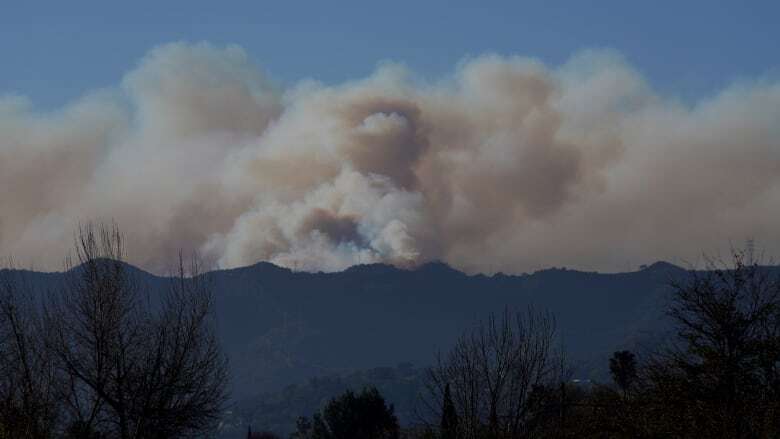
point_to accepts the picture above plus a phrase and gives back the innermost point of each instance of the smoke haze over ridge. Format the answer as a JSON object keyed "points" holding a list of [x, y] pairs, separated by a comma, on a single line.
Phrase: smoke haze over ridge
{"points": [[508, 164]]}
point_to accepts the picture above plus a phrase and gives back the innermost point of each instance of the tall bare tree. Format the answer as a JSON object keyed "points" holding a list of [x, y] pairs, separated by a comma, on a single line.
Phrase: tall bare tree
{"points": [[28, 379], [136, 363], [497, 374], [720, 375]]}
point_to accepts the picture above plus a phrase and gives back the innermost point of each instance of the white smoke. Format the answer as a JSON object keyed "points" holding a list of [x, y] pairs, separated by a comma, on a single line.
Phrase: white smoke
{"points": [[506, 165]]}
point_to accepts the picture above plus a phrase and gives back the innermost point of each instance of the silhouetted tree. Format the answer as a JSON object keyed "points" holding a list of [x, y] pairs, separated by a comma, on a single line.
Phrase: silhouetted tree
{"points": [[496, 373], [720, 375], [449, 416], [134, 366], [28, 381], [352, 416], [622, 366]]}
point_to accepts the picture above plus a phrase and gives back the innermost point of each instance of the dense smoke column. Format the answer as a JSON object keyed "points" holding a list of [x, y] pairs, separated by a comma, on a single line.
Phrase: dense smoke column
{"points": [[506, 165]]}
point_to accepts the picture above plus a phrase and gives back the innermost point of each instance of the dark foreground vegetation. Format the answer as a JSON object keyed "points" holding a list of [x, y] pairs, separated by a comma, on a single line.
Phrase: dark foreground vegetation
{"points": [[102, 357], [718, 376]]}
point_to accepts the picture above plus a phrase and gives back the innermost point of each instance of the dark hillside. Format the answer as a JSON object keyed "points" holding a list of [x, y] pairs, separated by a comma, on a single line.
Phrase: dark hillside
{"points": [[282, 327]]}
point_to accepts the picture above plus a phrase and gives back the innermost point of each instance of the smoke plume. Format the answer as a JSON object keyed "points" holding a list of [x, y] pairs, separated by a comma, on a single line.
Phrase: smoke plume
{"points": [[505, 165]]}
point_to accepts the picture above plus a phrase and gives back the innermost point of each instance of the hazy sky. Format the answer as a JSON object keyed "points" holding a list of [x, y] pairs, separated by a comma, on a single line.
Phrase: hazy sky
{"points": [[53, 52]]}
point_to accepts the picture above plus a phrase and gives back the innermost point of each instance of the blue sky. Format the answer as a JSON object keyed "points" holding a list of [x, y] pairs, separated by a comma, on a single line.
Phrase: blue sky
{"points": [[54, 52]]}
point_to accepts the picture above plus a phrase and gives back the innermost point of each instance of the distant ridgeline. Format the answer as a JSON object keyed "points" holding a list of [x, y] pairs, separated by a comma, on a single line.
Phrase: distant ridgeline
{"points": [[283, 328]]}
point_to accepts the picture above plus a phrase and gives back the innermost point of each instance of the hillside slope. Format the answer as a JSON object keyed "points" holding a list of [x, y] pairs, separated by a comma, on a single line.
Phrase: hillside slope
{"points": [[281, 327]]}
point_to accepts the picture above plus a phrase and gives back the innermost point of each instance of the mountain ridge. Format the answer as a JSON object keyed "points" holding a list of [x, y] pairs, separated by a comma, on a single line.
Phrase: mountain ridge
{"points": [[280, 326], [377, 266]]}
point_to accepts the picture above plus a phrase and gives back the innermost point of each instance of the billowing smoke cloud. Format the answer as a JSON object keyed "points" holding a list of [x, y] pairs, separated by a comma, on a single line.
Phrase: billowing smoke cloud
{"points": [[507, 165]]}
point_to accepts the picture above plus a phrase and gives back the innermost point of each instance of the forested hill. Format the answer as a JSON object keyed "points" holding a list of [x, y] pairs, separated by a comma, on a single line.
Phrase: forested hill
{"points": [[282, 327]]}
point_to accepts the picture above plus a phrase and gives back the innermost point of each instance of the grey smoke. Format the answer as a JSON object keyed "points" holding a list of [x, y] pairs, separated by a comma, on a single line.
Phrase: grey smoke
{"points": [[507, 164]]}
